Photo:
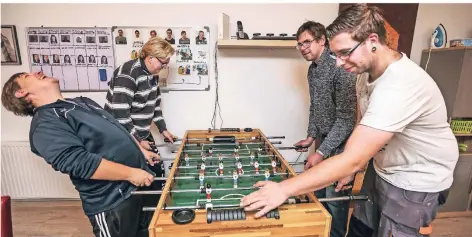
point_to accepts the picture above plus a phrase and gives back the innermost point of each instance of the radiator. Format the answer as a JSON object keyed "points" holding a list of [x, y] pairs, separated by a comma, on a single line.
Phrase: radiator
{"points": [[27, 176]]}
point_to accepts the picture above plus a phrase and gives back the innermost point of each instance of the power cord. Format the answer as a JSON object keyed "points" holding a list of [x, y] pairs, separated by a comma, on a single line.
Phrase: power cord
{"points": [[217, 102]]}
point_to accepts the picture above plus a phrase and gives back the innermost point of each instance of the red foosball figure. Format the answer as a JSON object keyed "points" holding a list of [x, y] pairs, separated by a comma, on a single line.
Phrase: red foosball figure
{"points": [[221, 168], [256, 165], [208, 192], [240, 168]]}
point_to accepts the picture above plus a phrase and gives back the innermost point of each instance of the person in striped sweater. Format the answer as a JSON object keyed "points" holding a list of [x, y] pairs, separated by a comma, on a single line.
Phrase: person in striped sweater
{"points": [[133, 96], [134, 99]]}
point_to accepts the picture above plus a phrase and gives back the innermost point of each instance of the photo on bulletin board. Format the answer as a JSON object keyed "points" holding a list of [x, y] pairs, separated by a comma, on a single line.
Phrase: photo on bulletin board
{"points": [[10, 47], [188, 67], [82, 59]]}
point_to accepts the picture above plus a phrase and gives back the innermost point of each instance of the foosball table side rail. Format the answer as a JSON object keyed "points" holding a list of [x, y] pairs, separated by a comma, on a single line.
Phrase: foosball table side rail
{"points": [[165, 192]]}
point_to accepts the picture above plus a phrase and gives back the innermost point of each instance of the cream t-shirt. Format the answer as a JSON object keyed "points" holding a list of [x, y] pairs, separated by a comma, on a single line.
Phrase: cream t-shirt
{"points": [[422, 154]]}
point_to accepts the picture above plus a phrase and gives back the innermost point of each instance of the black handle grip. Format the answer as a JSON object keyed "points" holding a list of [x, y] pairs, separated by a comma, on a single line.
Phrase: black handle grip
{"points": [[166, 140], [224, 139], [230, 129]]}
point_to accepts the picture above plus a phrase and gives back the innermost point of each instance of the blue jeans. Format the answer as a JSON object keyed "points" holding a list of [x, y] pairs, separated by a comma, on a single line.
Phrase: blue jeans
{"points": [[339, 210]]}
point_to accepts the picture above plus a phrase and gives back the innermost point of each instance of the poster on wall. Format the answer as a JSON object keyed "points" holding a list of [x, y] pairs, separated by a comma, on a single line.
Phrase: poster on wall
{"points": [[188, 67], [10, 48], [82, 59]]}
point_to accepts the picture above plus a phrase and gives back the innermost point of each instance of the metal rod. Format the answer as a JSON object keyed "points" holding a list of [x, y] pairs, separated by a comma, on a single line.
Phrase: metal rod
{"points": [[344, 198], [226, 144], [226, 157], [261, 173], [216, 166], [222, 176], [276, 137], [189, 190], [167, 144], [296, 163], [236, 138], [335, 199], [221, 150], [285, 147]]}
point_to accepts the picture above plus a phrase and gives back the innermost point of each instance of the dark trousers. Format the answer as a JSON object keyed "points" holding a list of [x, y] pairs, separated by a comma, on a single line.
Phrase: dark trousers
{"points": [[339, 210], [151, 200], [125, 220], [395, 212]]}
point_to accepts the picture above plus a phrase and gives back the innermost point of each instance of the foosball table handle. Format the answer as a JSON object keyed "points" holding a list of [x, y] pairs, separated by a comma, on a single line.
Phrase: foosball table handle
{"points": [[226, 215]]}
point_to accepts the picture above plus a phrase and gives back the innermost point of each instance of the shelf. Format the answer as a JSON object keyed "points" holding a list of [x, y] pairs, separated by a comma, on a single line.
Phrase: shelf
{"points": [[462, 135], [449, 48], [257, 44]]}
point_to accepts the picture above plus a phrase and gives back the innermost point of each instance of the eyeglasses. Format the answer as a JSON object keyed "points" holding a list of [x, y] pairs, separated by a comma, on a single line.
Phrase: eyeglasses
{"points": [[305, 44], [344, 55], [163, 64]]}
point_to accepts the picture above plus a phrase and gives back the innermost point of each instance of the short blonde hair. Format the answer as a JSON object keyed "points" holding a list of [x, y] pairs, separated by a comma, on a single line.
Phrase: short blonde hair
{"points": [[157, 47]]}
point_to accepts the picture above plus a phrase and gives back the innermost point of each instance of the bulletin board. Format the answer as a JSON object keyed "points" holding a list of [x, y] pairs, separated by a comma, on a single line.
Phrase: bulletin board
{"points": [[82, 59], [188, 68]]}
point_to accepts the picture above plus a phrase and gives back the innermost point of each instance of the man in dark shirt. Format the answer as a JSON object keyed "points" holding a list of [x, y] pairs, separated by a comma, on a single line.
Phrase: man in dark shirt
{"points": [[78, 138], [332, 116], [169, 37]]}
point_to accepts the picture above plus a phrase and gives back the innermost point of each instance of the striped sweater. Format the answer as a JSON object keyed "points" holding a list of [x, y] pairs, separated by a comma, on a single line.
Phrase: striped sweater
{"points": [[134, 99]]}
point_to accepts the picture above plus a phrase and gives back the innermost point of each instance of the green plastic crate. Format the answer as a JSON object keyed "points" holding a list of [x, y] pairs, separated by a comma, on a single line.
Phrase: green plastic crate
{"points": [[461, 126]]}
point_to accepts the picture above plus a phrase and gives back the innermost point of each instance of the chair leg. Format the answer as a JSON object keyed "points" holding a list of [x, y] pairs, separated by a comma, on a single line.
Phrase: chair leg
{"points": [[7, 226], [428, 230]]}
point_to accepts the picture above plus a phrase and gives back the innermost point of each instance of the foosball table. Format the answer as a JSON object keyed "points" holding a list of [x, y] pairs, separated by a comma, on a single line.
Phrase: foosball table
{"points": [[212, 171]]}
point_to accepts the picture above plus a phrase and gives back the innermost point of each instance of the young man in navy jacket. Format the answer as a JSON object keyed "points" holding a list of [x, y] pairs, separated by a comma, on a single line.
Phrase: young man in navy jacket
{"points": [[77, 137]]}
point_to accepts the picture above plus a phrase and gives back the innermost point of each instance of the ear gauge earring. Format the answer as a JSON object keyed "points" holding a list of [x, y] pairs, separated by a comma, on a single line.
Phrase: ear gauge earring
{"points": [[373, 49]]}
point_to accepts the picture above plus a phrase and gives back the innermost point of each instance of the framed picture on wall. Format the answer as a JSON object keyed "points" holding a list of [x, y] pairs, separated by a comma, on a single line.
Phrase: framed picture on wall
{"points": [[10, 49]]}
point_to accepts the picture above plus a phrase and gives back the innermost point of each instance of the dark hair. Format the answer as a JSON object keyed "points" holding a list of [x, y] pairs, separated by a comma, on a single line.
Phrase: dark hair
{"points": [[359, 20], [19, 106], [315, 29]]}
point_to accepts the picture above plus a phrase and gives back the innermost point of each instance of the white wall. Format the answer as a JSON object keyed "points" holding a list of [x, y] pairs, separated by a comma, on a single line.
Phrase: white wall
{"points": [[456, 18], [257, 88], [265, 89], [279, 77]]}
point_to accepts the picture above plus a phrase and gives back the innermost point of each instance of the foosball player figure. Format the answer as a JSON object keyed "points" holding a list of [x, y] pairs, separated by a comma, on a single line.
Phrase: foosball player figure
{"points": [[240, 167], [267, 174], [260, 149], [204, 157], [210, 151], [163, 169], [236, 149], [256, 165], [201, 177], [274, 165], [202, 168], [221, 168], [252, 158], [208, 192], [236, 155], [235, 178], [220, 157], [186, 160]]}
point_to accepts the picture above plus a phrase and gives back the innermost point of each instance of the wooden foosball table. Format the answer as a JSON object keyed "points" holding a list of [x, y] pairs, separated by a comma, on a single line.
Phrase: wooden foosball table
{"points": [[212, 171]]}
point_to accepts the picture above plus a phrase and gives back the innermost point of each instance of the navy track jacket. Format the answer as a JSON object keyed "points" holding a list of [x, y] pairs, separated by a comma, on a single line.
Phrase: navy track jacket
{"points": [[73, 136]]}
